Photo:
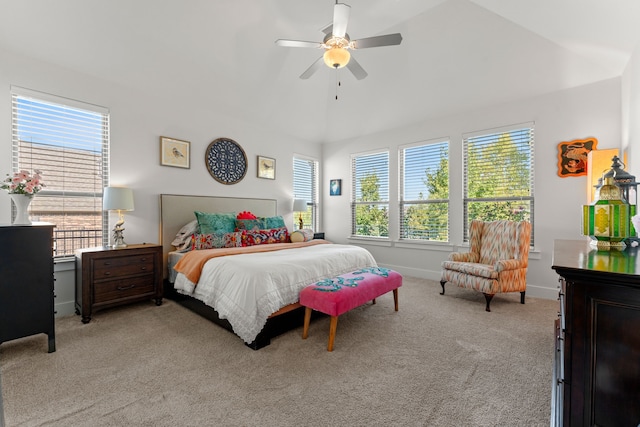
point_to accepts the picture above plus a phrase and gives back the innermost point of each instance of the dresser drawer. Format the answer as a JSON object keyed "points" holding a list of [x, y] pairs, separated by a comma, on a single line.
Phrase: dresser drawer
{"points": [[112, 290], [109, 268]]}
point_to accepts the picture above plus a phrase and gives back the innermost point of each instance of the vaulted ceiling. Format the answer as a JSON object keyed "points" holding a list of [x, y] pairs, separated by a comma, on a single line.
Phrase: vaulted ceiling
{"points": [[219, 55]]}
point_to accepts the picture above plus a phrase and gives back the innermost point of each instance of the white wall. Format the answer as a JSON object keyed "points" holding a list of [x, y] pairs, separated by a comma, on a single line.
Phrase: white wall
{"points": [[137, 122], [631, 113], [589, 111]]}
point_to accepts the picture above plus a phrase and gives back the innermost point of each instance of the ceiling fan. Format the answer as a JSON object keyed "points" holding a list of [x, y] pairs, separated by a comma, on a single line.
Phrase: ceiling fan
{"points": [[336, 45]]}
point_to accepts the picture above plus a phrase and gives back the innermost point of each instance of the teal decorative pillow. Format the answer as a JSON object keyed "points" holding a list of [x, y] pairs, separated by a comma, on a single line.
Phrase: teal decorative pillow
{"points": [[249, 224], [211, 223], [271, 222]]}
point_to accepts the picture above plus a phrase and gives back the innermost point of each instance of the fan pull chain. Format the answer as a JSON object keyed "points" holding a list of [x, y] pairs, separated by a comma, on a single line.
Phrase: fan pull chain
{"points": [[338, 84]]}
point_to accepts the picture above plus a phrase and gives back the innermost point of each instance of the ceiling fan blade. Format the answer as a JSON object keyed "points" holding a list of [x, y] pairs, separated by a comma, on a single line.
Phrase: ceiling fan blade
{"points": [[297, 43], [328, 29], [313, 68], [340, 19], [356, 69], [386, 40]]}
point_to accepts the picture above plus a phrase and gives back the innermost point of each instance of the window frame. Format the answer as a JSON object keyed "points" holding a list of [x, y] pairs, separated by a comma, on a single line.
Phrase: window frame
{"points": [[380, 204], [44, 128], [497, 134], [311, 217], [437, 144]]}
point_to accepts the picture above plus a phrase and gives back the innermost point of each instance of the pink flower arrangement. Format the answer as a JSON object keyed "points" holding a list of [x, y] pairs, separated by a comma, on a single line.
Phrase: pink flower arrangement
{"points": [[23, 183]]}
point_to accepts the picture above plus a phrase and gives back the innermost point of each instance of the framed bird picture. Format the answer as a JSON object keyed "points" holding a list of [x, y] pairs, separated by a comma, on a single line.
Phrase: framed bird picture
{"points": [[266, 167], [174, 152]]}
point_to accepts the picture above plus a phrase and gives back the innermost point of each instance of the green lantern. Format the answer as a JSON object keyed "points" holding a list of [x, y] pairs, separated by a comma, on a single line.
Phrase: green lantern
{"points": [[607, 220]]}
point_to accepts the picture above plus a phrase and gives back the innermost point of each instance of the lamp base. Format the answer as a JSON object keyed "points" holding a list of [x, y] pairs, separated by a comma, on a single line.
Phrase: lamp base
{"points": [[118, 238]]}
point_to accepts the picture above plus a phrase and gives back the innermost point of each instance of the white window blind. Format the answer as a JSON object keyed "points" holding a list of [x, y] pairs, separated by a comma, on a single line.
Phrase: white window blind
{"points": [[370, 195], [498, 176], [424, 192], [305, 186], [68, 142]]}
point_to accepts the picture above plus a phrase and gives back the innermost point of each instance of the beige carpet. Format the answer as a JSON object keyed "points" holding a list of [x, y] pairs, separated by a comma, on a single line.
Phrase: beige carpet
{"points": [[439, 361]]}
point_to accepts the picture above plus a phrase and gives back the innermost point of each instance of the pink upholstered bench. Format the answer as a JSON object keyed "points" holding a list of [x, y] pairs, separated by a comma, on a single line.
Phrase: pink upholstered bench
{"points": [[340, 294]]}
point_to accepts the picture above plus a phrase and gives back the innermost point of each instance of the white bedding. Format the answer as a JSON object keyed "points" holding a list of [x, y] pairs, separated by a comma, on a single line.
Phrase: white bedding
{"points": [[246, 289]]}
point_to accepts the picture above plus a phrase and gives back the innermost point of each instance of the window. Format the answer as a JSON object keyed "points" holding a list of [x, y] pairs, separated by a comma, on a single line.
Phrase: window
{"points": [[305, 186], [68, 142], [498, 176], [370, 195], [424, 191]]}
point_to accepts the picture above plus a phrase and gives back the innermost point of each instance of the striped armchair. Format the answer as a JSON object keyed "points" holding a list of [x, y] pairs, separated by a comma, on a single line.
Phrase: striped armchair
{"points": [[496, 262]]}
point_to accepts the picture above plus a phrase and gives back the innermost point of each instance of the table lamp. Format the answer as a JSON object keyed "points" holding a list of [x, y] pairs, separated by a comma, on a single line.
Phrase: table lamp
{"points": [[300, 205], [118, 199]]}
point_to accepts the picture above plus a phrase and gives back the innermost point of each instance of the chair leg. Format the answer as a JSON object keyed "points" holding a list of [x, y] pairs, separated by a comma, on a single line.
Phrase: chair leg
{"points": [[442, 282], [488, 297], [522, 297]]}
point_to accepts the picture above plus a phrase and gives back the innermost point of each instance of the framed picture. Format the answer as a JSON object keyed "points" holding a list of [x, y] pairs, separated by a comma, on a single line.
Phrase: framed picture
{"points": [[266, 167], [174, 152], [335, 187], [573, 155]]}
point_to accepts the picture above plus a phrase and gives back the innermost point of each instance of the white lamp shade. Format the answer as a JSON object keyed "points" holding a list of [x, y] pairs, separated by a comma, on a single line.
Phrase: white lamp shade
{"points": [[299, 205], [117, 199]]}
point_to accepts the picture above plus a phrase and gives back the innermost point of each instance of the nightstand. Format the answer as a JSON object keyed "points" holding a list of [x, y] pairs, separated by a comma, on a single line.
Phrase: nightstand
{"points": [[107, 277]]}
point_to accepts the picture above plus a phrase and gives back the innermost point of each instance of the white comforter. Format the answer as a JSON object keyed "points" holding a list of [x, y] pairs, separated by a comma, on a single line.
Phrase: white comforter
{"points": [[246, 289]]}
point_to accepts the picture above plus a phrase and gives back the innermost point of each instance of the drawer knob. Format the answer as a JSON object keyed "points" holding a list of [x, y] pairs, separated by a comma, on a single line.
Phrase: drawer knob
{"points": [[143, 268]]}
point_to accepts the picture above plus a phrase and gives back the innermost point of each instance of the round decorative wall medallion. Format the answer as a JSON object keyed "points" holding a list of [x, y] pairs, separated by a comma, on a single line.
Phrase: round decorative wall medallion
{"points": [[226, 161]]}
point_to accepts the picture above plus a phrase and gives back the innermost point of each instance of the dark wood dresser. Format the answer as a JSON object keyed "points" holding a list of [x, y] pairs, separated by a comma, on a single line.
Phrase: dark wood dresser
{"points": [[26, 282], [597, 366], [107, 277]]}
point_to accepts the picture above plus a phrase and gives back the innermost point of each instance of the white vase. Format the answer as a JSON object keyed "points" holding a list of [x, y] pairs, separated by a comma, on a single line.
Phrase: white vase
{"points": [[22, 208]]}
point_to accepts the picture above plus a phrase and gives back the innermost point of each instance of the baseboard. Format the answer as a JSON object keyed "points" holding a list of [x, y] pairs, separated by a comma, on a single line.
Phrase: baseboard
{"points": [[535, 291]]}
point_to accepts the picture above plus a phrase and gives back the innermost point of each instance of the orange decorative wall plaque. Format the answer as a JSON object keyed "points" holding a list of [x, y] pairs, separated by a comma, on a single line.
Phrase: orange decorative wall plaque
{"points": [[572, 156]]}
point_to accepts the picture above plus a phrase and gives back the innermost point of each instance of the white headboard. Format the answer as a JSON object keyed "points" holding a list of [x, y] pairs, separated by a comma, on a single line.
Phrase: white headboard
{"points": [[177, 210]]}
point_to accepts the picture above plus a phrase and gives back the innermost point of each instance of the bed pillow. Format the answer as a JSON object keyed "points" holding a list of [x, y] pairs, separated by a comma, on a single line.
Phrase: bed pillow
{"points": [[263, 237], [272, 222], [250, 224], [216, 241], [304, 235], [246, 215], [211, 223], [182, 240]]}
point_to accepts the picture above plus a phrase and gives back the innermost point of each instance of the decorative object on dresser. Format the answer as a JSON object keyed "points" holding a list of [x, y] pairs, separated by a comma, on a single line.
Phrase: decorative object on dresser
{"points": [[108, 277], [300, 206], [608, 219], [596, 373], [118, 199], [497, 260], [226, 161], [174, 152], [26, 288], [266, 167], [22, 186]]}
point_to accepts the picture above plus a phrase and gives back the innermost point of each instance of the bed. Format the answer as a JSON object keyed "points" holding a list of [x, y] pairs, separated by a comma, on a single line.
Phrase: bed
{"points": [[251, 291]]}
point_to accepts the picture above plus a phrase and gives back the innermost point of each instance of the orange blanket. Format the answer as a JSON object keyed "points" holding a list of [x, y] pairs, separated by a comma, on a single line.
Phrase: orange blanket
{"points": [[192, 262]]}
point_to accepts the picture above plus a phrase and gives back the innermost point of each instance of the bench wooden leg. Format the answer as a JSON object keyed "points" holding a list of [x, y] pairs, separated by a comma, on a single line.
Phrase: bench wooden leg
{"points": [[332, 332], [373, 301], [307, 320], [395, 298]]}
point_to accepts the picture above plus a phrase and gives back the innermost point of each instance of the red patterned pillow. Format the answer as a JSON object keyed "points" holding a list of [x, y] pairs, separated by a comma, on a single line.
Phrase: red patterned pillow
{"points": [[263, 237]]}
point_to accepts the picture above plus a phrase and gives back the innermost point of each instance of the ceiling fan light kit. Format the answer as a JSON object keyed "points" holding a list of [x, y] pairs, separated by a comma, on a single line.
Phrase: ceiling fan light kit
{"points": [[336, 45], [336, 57]]}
